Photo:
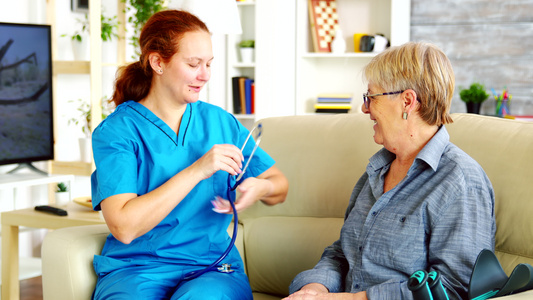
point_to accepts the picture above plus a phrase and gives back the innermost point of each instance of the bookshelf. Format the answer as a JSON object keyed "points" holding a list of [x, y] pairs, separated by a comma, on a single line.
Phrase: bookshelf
{"points": [[288, 74], [93, 68], [318, 73], [235, 67]]}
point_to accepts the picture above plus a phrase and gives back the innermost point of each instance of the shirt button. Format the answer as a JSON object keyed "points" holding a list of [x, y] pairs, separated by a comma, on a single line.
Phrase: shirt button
{"points": [[356, 286], [374, 213], [402, 219], [360, 248]]}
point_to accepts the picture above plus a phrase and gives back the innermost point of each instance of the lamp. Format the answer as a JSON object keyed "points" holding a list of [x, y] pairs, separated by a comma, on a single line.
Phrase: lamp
{"points": [[220, 16]]}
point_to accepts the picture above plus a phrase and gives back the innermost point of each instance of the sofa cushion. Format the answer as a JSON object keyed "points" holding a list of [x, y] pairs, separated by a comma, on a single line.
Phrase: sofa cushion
{"points": [[278, 248]]}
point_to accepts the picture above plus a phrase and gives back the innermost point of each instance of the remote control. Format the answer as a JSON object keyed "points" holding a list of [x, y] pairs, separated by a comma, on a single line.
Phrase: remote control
{"points": [[51, 210]]}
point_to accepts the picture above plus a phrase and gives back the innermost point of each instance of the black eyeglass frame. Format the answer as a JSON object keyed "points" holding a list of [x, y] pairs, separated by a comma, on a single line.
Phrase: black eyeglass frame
{"points": [[367, 100]]}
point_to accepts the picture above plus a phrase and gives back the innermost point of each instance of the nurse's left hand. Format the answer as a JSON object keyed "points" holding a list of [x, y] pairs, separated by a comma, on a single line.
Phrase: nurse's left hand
{"points": [[252, 189]]}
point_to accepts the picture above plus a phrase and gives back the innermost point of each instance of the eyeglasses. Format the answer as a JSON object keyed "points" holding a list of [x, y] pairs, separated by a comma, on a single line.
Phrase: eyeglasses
{"points": [[366, 97]]}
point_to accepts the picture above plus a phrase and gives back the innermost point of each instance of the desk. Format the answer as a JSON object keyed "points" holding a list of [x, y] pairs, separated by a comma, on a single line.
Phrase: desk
{"points": [[11, 221]]}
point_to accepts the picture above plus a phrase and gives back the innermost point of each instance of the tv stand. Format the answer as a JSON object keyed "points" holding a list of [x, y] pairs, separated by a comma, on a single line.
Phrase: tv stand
{"points": [[29, 166]]}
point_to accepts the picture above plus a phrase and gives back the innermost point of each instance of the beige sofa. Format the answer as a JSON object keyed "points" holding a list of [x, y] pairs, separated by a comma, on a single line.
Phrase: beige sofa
{"points": [[323, 156]]}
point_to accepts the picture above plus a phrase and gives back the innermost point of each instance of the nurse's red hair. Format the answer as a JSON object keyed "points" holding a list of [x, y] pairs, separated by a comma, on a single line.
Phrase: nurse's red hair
{"points": [[161, 34]]}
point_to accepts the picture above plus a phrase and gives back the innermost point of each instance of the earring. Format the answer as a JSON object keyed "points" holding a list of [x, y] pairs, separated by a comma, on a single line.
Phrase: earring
{"points": [[404, 116], [160, 71]]}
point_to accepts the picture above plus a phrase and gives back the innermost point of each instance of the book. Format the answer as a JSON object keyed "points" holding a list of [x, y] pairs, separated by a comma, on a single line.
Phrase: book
{"points": [[248, 95], [332, 111], [253, 97], [335, 95], [236, 95], [334, 98], [242, 95], [243, 89], [332, 106]]}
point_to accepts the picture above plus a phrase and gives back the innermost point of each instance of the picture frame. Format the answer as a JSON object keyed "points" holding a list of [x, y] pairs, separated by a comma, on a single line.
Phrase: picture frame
{"points": [[81, 6]]}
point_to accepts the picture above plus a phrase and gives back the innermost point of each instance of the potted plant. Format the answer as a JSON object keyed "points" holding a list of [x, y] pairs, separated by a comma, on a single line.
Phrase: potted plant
{"points": [[474, 97], [247, 50], [143, 10], [80, 38], [84, 120], [62, 196]]}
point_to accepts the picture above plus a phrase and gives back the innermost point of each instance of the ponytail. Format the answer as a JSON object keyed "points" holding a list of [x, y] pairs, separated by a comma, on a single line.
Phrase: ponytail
{"points": [[133, 83]]}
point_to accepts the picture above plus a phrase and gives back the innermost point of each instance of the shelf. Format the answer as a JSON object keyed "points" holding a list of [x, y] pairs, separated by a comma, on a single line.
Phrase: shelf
{"points": [[71, 67], [17, 180], [244, 65], [243, 116], [245, 3], [340, 55], [71, 167]]}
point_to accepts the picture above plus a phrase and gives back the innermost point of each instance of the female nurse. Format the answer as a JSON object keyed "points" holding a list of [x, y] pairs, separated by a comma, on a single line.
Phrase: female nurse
{"points": [[161, 159]]}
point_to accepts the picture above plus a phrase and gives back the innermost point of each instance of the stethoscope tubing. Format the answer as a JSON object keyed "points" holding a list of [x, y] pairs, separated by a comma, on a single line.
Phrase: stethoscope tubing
{"points": [[231, 188], [211, 267]]}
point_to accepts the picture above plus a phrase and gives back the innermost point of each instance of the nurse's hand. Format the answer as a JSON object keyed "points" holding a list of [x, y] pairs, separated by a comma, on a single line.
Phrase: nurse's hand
{"points": [[251, 190], [270, 187], [221, 157]]}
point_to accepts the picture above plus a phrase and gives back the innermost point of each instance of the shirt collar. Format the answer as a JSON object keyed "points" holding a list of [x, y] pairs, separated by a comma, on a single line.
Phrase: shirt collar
{"points": [[430, 154]]}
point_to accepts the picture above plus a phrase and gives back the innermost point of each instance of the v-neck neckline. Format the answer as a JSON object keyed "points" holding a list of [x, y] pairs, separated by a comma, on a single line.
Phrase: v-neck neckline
{"points": [[159, 123]]}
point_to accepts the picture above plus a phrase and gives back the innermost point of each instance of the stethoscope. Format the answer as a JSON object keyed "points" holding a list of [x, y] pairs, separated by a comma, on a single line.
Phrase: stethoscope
{"points": [[226, 268]]}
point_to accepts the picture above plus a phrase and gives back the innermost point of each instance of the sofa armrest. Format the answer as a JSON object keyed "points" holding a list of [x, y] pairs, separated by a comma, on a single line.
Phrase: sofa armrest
{"points": [[67, 258]]}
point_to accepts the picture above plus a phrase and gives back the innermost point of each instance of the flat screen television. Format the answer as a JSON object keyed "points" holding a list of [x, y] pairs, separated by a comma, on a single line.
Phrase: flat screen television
{"points": [[26, 116]]}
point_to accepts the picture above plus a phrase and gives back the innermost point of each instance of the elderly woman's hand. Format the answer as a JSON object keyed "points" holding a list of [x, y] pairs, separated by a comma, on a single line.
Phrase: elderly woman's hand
{"points": [[316, 291]]}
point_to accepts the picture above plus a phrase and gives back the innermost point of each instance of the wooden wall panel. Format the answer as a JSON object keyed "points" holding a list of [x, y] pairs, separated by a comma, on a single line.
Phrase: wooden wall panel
{"points": [[488, 41]]}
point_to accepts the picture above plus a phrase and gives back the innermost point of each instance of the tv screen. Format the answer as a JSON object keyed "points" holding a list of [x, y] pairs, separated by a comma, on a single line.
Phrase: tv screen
{"points": [[26, 117]]}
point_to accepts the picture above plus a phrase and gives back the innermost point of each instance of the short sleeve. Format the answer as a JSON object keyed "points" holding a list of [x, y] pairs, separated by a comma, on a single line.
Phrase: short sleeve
{"points": [[116, 163]]}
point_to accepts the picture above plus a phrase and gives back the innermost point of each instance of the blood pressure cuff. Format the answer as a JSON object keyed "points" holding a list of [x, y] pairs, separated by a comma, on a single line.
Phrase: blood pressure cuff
{"points": [[488, 280]]}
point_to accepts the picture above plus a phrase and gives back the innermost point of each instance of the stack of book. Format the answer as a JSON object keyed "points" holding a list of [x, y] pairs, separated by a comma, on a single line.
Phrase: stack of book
{"points": [[243, 95], [333, 103]]}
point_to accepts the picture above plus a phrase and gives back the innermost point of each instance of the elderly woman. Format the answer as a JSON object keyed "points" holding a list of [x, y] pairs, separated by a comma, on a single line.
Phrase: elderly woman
{"points": [[423, 204]]}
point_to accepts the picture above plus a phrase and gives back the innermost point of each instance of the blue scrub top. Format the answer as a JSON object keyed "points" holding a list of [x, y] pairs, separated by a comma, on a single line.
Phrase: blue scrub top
{"points": [[136, 152]]}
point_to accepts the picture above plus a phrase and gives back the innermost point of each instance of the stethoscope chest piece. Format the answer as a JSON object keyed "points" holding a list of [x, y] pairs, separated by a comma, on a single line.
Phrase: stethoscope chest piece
{"points": [[225, 268]]}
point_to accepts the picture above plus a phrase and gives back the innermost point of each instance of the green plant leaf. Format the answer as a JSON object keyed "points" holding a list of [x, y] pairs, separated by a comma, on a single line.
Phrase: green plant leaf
{"points": [[475, 94]]}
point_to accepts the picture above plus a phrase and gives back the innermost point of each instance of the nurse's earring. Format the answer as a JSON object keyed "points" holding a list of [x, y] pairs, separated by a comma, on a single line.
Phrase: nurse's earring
{"points": [[160, 71], [404, 116]]}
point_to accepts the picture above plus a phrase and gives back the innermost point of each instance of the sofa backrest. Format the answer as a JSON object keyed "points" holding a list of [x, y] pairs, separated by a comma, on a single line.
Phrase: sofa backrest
{"points": [[323, 156]]}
